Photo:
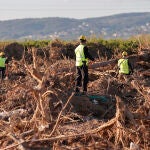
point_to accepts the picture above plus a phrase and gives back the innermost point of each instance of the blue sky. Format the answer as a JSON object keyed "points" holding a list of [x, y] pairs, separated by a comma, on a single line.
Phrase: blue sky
{"points": [[18, 9]]}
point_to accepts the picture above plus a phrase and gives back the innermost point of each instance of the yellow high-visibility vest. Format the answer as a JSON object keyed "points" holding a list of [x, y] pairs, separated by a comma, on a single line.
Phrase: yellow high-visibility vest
{"points": [[2, 62], [79, 51], [123, 65]]}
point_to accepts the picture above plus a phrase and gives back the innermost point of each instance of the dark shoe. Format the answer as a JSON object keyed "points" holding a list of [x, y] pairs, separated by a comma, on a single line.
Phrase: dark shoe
{"points": [[84, 93], [77, 89]]}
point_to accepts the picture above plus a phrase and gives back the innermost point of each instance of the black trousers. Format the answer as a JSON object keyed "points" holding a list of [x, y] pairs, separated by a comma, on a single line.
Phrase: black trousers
{"points": [[3, 71], [81, 78]]}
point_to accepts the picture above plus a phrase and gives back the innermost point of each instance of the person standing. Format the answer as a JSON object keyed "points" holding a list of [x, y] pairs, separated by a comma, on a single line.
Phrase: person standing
{"points": [[82, 56], [3, 65]]}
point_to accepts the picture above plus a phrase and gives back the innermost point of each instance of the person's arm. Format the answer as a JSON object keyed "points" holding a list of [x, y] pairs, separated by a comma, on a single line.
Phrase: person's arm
{"points": [[86, 54], [130, 66], [6, 65]]}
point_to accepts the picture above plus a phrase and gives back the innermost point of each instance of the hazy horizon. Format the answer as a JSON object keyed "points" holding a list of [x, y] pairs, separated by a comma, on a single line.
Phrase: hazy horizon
{"points": [[21, 9]]}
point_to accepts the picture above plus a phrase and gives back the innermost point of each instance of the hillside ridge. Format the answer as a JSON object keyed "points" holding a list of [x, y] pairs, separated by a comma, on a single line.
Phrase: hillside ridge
{"points": [[114, 26]]}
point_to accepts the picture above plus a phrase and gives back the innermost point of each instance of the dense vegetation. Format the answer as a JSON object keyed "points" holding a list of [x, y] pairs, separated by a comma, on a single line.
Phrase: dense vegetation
{"points": [[115, 46]]}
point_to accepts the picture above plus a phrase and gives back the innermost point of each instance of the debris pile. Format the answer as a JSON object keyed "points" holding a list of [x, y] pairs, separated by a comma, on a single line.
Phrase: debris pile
{"points": [[39, 110]]}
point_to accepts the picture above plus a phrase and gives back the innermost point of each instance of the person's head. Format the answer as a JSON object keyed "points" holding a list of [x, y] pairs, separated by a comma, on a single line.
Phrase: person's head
{"points": [[124, 53], [82, 39], [2, 54]]}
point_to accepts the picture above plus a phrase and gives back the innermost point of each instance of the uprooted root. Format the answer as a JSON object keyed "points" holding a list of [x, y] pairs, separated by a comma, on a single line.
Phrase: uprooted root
{"points": [[113, 134]]}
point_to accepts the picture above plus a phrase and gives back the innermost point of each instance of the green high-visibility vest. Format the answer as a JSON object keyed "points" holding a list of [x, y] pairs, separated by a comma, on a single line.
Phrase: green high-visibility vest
{"points": [[2, 62], [123, 65], [79, 51]]}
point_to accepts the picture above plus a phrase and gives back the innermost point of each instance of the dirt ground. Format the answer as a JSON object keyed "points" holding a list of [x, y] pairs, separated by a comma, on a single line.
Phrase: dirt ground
{"points": [[40, 111]]}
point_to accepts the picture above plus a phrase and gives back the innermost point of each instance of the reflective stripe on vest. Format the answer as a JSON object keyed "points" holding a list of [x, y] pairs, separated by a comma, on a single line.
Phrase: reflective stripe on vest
{"points": [[2, 62], [123, 65], [79, 51]]}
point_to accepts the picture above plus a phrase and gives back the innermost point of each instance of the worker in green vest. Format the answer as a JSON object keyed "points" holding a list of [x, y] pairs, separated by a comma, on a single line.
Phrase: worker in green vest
{"points": [[3, 65], [82, 56], [124, 66]]}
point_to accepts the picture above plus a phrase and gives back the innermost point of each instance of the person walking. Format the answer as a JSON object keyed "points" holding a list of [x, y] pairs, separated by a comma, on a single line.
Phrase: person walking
{"points": [[3, 65], [82, 56]]}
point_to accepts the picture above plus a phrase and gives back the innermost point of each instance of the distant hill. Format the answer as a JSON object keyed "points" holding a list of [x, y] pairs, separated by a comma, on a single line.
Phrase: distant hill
{"points": [[121, 25]]}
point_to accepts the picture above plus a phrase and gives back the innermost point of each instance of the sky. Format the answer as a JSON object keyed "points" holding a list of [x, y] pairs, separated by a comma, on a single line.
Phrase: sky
{"points": [[78, 9]]}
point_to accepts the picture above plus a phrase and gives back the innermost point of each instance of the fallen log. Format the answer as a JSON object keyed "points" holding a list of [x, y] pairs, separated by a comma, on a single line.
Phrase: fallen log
{"points": [[133, 58]]}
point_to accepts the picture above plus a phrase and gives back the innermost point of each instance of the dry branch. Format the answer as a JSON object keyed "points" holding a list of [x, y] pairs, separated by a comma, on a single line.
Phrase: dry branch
{"points": [[90, 132], [27, 133], [141, 90], [35, 74], [19, 141], [61, 113], [34, 50], [42, 107]]}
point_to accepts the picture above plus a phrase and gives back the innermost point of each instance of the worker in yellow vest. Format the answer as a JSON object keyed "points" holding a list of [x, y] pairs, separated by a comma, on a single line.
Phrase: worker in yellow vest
{"points": [[124, 66], [82, 56], [3, 65]]}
